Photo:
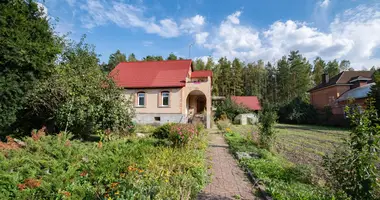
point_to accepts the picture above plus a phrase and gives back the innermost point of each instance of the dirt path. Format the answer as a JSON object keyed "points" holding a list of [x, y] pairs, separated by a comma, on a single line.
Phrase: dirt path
{"points": [[228, 181]]}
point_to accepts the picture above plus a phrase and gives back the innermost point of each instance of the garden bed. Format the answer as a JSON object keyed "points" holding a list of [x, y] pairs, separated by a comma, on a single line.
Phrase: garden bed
{"points": [[282, 178], [55, 167]]}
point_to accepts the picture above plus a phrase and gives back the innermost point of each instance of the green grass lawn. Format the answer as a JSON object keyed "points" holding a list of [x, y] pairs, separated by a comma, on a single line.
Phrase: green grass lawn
{"points": [[57, 167]]}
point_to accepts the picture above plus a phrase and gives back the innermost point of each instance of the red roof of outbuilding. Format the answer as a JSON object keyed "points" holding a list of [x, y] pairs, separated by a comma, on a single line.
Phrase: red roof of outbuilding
{"points": [[251, 102], [151, 74], [201, 74]]}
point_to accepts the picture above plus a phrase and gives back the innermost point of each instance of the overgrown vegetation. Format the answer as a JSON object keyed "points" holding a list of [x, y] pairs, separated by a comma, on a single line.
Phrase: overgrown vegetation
{"points": [[57, 167], [353, 167], [268, 118], [229, 109], [283, 179]]}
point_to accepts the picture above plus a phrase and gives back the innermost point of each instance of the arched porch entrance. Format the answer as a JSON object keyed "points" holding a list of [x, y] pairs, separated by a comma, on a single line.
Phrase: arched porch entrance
{"points": [[196, 107]]}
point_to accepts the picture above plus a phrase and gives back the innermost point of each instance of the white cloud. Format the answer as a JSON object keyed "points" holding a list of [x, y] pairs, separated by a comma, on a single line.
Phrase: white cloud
{"points": [[200, 38], [71, 2], [351, 35], [234, 18], [126, 16], [324, 3], [193, 24]]}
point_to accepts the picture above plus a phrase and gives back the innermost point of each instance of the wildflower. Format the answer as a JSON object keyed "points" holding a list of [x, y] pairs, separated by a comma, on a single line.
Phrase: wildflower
{"points": [[141, 171], [117, 192], [21, 186], [84, 173], [113, 185], [67, 143], [100, 144], [166, 180]]}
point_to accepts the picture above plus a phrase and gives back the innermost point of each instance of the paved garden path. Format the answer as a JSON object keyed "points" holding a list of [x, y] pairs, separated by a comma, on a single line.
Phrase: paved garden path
{"points": [[228, 181]]}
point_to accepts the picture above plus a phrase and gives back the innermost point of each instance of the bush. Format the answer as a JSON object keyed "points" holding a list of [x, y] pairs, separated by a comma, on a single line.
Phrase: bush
{"points": [[182, 134], [56, 167], [145, 128], [230, 109], [353, 167], [223, 124], [163, 131], [298, 112], [266, 127]]}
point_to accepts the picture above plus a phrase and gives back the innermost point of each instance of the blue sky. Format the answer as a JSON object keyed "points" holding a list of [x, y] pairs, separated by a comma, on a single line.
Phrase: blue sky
{"points": [[247, 29]]}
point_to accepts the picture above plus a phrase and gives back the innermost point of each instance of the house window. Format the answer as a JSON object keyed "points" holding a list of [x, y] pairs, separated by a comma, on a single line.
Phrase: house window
{"points": [[141, 99], [165, 98]]}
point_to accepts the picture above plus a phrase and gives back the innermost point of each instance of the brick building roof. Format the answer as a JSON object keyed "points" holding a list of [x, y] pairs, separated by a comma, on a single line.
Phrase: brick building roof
{"points": [[251, 102], [201, 73], [151, 74]]}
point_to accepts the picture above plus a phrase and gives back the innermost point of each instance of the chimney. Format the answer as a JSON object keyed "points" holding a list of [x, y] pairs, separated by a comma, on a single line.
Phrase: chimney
{"points": [[325, 78]]}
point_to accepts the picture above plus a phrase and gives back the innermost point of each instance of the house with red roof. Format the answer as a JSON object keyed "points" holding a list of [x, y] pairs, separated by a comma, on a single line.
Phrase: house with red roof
{"points": [[166, 91]]}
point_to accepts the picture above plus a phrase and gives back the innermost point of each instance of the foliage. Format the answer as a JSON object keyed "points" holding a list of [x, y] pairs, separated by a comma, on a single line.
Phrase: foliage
{"points": [[78, 97], [223, 123], [172, 56], [353, 167], [375, 90], [28, 51], [132, 57], [230, 109], [114, 60], [319, 68], [283, 180], [153, 58], [182, 134], [163, 131], [56, 167], [145, 128], [268, 118], [332, 68], [298, 111]]}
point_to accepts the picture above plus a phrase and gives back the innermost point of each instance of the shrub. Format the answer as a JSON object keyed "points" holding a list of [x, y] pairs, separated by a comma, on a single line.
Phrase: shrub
{"points": [[266, 127], [162, 132], [145, 128], [353, 166], [230, 109], [182, 134], [56, 167], [298, 112]]}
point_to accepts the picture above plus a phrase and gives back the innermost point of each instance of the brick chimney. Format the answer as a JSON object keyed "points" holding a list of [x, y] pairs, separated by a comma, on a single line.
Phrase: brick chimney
{"points": [[325, 78]]}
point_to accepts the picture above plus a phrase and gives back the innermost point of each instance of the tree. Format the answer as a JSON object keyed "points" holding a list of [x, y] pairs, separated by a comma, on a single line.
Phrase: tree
{"points": [[237, 72], [172, 56], [132, 57], [300, 75], [332, 68], [115, 59], [199, 64], [344, 65], [78, 97], [375, 90], [210, 63], [319, 68], [153, 58], [28, 51]]}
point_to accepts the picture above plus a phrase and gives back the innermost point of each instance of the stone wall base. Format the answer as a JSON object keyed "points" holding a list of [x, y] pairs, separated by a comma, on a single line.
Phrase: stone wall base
{"points": [[160, 118]]}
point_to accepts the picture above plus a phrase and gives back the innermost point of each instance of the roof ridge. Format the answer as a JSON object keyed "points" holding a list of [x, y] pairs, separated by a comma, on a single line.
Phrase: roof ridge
{"points": [[341, 74]]}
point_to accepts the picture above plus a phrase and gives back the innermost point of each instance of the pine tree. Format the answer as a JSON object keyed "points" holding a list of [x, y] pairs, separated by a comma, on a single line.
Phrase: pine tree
{"points": [[237, 71], [115, 59], [332, 68], [319, 68], [209, 63], [132, 57]]}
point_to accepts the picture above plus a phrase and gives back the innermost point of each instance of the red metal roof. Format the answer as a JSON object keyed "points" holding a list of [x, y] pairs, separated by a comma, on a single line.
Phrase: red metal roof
{"points": [[151, 74], [251, 102], [201, 73]]}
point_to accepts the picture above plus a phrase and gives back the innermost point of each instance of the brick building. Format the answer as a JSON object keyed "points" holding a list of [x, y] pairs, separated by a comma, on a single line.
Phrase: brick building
{"points": [[336, 92]]}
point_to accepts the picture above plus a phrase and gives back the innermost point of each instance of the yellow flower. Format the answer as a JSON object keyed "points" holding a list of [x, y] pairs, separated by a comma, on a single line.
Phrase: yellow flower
{"points": [[109, 198], [166, 180], [117, 193]]}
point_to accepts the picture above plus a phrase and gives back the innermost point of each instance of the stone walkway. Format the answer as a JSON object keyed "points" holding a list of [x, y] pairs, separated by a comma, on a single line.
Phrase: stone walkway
{"points": [[228, 181]]}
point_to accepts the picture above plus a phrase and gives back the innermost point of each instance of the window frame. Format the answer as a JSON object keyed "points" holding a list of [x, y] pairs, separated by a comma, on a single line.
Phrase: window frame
{"points": [[138, 99], [164, 94]]}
